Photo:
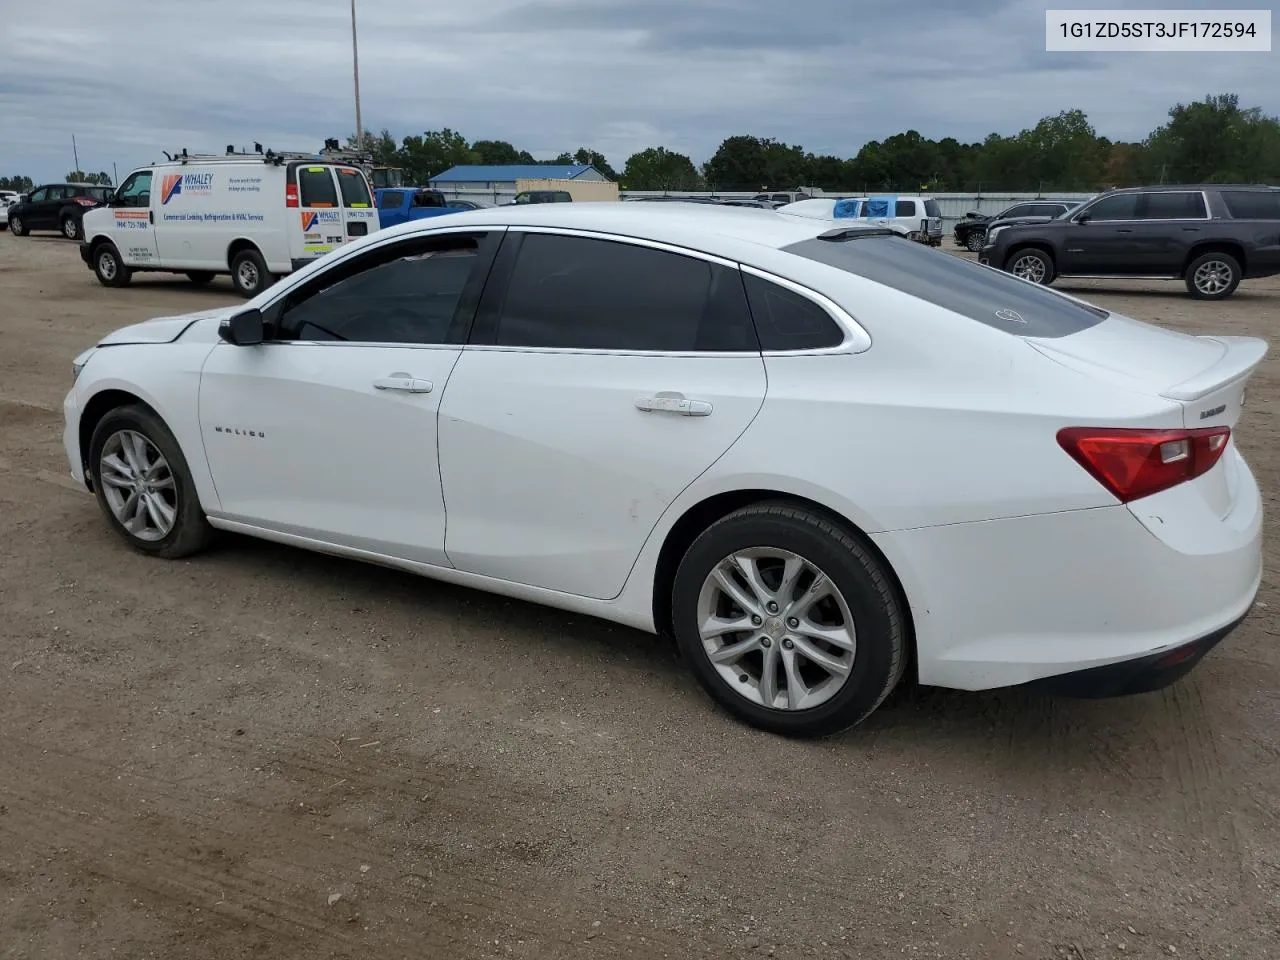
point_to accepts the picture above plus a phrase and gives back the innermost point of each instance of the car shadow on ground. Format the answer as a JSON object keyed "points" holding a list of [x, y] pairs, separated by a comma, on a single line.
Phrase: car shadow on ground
{"points": [[982, 725]]}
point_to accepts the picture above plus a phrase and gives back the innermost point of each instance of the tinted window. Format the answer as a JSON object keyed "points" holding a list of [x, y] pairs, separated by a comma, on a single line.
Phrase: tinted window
{"points": [[57, 193], [588, 294], [904, 208], [41, 194], [1021, 210], [788, 321], [954, 283], [1172, 206], [1253, 204], [932, 209], [1045, 209], [1122, 206], [426, 198], [355, 191], [390, 199], [406, 294], [316, 187], [99, 193]]}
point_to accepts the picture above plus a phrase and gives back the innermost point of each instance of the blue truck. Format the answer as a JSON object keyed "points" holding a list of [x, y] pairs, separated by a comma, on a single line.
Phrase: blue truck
{"points": [[398, 205]]}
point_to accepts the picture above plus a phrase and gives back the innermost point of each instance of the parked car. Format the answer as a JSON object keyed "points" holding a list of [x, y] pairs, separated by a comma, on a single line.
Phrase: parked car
{"points": [[871, 211], [256, 217], [460, 204], [410, 203], [971, 230], [56, 206], [600, 413], [6, 198], [1211, 236], [542, 196]]}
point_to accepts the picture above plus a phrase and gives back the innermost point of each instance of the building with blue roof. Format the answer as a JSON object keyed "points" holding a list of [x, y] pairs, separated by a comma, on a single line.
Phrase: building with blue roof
{"points": [[503, 177]]}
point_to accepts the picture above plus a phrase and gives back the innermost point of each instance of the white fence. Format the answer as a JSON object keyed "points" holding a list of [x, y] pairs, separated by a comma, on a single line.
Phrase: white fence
{"points": [[954, 205]]}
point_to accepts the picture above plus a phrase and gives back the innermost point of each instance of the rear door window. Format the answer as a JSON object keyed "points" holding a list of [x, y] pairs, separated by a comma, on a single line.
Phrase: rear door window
{"points": [[390, 199], [904, 208], [1021, 210], [316, 187], [355, 191], [1172, 205], [1252, 204], [984, 294]]}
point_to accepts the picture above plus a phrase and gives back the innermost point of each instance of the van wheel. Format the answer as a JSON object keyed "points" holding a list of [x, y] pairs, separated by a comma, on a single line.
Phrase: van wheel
{"points": [[109, 268], [1213, 276], [70, 228], [249, 273], [199, 277]]}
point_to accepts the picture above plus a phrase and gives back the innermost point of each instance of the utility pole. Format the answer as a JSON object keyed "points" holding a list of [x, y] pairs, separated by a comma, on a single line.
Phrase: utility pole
{"points": [[76, 153], [115, 175], [355, 69]]}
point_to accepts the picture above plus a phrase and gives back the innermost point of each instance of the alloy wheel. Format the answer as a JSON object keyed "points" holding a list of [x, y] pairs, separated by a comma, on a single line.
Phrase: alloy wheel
{"points": [[138, 485], [776, 628], [69, 228], [1029, 267], [1212, 277]]}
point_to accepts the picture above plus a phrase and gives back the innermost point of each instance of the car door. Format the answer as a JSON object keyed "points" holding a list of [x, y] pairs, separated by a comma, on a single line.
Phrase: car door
{"points": [[328, 429], [44, 211], [133, 220], [1100, 238], [1169, 223], [604, 376]]}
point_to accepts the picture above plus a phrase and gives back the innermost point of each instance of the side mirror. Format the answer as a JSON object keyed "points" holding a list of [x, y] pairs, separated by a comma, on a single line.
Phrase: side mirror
{"points": [[243, 329], [1083, 218]]}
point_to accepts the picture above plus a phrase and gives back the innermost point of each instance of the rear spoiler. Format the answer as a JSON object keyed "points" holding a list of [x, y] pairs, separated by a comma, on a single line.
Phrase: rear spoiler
{"points": [[1240, 357]]}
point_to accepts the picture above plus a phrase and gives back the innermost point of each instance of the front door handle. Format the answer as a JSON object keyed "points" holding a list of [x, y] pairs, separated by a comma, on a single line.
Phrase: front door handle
{"points": [[404, 383], [1124, 231], [669, 401]]}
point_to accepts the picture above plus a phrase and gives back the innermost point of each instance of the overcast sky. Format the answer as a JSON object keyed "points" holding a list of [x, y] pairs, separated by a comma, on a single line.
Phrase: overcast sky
{"points": [[130, 79]]}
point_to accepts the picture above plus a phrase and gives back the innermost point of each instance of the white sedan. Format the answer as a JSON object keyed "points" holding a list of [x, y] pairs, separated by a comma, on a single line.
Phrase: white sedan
{"points": [[820, 456]]}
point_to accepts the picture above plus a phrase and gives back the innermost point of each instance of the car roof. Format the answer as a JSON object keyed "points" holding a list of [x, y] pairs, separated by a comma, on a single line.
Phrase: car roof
{"points": [[715, 225], [1157, 188]]}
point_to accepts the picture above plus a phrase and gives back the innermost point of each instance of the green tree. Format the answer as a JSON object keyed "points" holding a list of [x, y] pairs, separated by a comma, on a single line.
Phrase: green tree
{"points": [[1213, 140], [658, 168], [426, 156], [499, 152], [587, 156], [79, 176], [17, 182]]}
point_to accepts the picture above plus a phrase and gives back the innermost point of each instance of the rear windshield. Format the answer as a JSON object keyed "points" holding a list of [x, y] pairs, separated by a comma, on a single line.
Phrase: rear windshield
{"points": [[980, 293], [390, 198], [931, 208], [316, 187], [355, 192], [1253, 204]]}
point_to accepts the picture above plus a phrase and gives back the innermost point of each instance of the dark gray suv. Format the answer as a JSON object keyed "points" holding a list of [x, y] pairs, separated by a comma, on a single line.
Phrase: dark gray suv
{"points": [[1210, 235]]}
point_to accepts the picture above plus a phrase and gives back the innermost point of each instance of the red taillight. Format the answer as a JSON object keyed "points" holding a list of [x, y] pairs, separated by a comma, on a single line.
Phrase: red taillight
{"points": [[86, 201], [1137, 463], [290, 194]]}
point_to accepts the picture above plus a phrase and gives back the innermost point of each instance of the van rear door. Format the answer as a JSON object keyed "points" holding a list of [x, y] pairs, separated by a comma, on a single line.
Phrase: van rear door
{"points": [[320, 225], [359, 214]]}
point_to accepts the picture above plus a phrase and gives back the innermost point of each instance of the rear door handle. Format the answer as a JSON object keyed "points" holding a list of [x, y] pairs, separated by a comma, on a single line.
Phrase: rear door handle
{"points": [[1190, 229], [671, 402], [403, 383], [1123, 231]]}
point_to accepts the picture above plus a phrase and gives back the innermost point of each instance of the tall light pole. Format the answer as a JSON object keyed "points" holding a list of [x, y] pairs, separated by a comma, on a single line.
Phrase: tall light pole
{"points": [[355, 67]]}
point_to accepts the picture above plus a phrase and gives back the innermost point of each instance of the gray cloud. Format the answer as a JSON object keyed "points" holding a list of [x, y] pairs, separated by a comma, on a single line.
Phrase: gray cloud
{"points": [[616, 75]]}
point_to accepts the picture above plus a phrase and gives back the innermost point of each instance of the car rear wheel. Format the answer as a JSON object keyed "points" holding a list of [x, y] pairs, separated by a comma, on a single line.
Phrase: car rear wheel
{"points": [[71, 228], [1213, 276], [199, 277], [109, 268], [973, 242], [788, 621], [17, 226], [1033, 265], [249, 273], [144, 486]]}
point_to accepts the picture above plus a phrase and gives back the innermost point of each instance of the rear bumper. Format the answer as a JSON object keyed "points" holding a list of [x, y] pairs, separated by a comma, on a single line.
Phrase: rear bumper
{"points": [[1141, 675]]}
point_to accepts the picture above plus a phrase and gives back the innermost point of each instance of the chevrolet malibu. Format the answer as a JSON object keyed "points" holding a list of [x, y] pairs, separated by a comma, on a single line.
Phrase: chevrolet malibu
{"points": [[821, 457]]}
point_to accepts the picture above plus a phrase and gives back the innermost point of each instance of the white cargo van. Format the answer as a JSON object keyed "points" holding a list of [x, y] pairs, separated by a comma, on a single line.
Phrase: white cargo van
{"points": [[255, 217]]}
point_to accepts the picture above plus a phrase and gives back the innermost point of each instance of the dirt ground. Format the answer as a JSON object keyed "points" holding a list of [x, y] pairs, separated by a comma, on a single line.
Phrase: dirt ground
{"points": [[262, 752]]}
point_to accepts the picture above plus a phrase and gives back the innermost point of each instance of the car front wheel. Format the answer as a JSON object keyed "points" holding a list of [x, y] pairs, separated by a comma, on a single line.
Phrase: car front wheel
{"points": [[144, 486], [789, 621], [17, 226], [1213, 276], [1033, 265], [975, 240]]}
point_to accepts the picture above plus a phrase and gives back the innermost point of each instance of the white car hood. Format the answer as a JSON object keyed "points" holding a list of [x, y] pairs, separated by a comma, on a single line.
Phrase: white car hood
{"points": [[165, 329]]}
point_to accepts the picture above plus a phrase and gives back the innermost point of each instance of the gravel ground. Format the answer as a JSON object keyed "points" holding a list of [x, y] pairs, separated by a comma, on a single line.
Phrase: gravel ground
{"points": [[266, 753]]}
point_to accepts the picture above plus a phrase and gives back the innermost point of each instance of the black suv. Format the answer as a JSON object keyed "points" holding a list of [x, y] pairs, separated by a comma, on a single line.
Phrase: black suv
{"points": [[970, 230], [1210, 235], [57, 206]]}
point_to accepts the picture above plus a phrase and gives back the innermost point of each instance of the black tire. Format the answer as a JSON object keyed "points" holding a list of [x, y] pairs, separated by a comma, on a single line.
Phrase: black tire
{"points": [[1225, 271], [974, 240], [191, 531], [1047, 271], [249, 273], [71, 227], [199, 277], [880, 657], [18, 227], [108, 266]]}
